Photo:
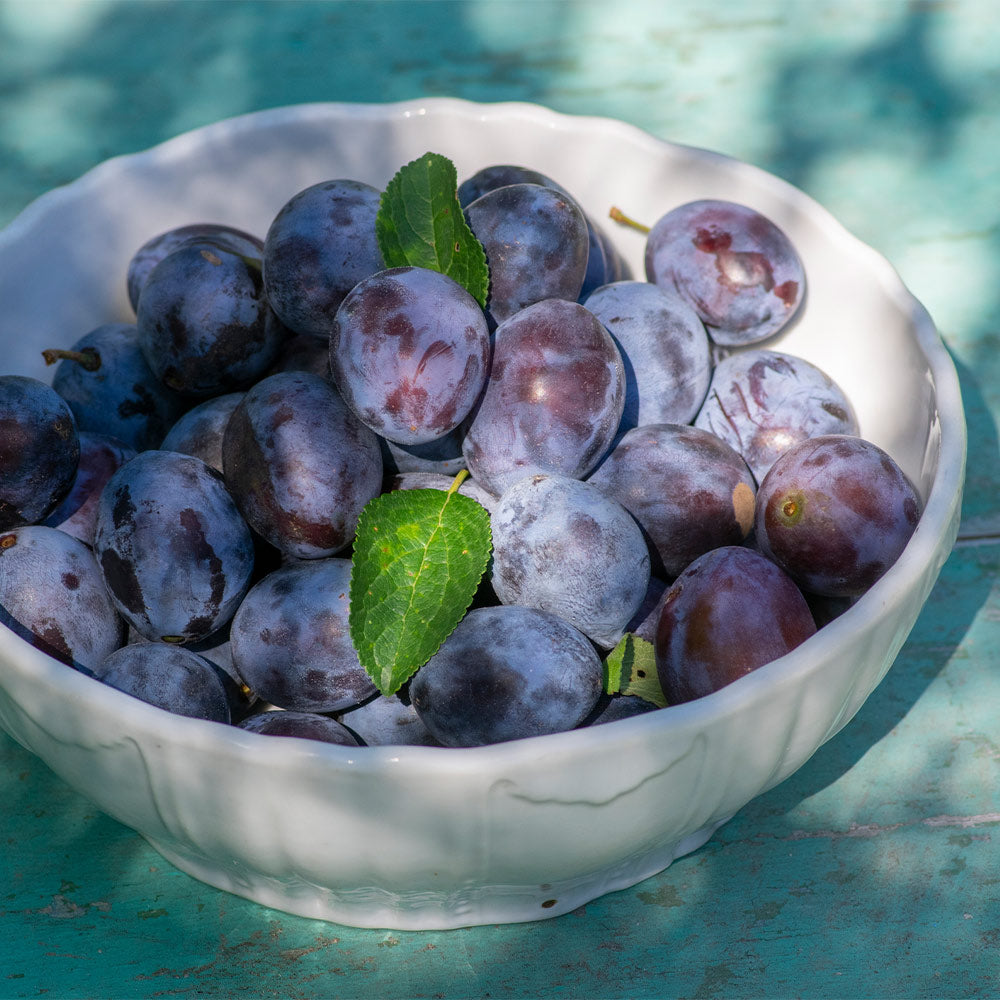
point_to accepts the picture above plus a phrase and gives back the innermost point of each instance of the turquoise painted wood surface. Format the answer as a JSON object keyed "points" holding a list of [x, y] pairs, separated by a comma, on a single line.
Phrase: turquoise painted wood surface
{"points": [[874, 871]]}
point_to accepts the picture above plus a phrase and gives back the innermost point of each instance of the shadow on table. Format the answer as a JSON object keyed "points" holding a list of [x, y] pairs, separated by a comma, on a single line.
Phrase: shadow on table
{"points": [[893, 95], [77, 83]]}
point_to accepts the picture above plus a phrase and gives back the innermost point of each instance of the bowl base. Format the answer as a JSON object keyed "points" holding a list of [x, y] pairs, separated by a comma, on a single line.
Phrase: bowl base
{"points": [[427, 910]]}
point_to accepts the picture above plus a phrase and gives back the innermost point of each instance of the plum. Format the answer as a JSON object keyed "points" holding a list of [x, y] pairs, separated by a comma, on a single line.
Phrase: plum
{"points": [[553, 400], [730, 612], [507, 673], [762, 402], [688, 489], [562, 546], [52, 594], [738, 270], [835, 512], [39, 450]]}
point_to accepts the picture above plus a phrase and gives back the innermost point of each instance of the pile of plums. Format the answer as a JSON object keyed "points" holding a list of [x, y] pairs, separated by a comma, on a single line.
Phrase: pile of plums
{"points": [[177, 509]]}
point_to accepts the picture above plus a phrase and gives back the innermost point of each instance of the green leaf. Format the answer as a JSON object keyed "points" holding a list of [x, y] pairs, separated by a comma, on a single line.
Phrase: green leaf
{"points": [[630, 668], [420, 222], [418, 558]]}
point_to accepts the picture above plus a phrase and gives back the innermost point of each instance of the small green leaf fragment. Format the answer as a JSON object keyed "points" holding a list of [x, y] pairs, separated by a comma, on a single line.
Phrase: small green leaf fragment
{"points": [[418, 558], [630, 668], [420, 223]]}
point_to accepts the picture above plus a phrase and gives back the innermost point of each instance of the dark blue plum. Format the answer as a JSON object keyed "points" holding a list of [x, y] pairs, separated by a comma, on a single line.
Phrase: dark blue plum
{"points": [[39, 450], [319, 246], [100, 458], [200, 431], [442, 455], [109, 386], [536, 244], [611, 708], [301, 352], [553, 401], [687, 488], [665, 349], [738, 270], [291, 641], [604, 263], [835, 512], [300, 725], [388, 721], [730, 612], [157, 247], [203, 321], [169, 677], [218, 651], [300, 464], [507, 673], [410, 352], [52, 594], [500, 175], [176, 555], [562, 546], [763, 402]]}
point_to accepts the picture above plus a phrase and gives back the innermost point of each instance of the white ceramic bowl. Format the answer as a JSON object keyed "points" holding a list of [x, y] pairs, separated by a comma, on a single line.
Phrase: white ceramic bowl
{"points": [[430, 838]]}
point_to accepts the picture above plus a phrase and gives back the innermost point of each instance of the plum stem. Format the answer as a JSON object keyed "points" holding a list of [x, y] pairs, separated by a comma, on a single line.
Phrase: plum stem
{"points": [[619, 216], [462, 473], [88, 358]]}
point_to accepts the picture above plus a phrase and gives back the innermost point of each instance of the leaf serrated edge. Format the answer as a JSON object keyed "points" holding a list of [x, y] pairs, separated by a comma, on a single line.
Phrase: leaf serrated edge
{"points": [[357, 619], [473, 274]]}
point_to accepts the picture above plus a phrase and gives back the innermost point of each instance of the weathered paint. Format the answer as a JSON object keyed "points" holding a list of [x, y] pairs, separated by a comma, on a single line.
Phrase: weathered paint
{"points": [[870, 872]]}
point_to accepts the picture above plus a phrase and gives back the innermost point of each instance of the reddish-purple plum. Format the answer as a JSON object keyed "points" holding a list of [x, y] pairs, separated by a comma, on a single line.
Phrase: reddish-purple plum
{"points": [[738, 270], [300, 464], [553, 400], [410, 352], [731, 611], [687, 488], [835, 512]]}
